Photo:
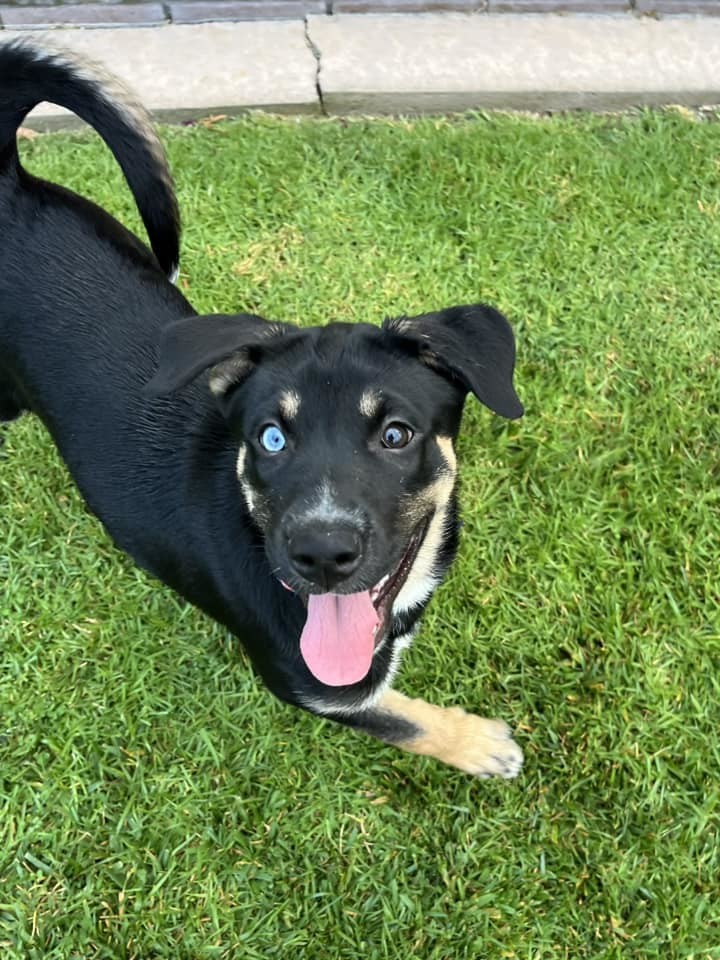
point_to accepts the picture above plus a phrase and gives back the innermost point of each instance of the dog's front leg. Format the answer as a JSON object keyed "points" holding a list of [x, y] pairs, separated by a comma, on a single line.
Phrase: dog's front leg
{"points": [[478, 746]]}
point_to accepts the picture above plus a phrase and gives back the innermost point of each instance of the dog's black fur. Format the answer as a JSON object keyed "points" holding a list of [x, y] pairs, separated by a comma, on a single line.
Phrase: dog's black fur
{"points": [[359, 482]]}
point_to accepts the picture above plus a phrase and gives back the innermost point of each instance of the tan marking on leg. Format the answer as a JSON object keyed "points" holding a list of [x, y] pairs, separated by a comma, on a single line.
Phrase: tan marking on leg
{"points": [[470, 743], [370, 402], [289, 404]]}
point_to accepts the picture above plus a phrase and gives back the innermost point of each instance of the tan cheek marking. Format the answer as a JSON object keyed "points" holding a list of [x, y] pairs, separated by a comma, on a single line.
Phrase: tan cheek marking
{"points": [[421, 580], [370, 403], [247, 490], [289, 404], [254, 501], [448, 452], [439, 494], [240, 462], [463, 740]]}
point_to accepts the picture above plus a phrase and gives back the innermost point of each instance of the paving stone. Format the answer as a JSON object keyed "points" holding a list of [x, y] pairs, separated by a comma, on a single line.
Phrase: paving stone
{"points": [[183, 72], [408, 6], [401, 63], [559, 6], [707, 8], [58, 3], [199, 11], [83, 15], [397, 64]]}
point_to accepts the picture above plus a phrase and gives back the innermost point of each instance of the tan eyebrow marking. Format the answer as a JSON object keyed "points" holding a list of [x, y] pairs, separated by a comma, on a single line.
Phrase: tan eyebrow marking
{"points": [[370, 402], [289, 404]]}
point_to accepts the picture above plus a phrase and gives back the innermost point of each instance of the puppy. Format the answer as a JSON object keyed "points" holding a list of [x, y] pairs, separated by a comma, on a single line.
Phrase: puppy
{"points": [[296, 484]]}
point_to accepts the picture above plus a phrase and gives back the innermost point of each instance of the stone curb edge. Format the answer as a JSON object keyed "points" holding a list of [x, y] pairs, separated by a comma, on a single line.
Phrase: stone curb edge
{"points": [[136, 14]]}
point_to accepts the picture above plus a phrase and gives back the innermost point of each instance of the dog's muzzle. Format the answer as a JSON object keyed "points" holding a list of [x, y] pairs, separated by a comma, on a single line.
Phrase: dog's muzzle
{"points": [[325, 554]]}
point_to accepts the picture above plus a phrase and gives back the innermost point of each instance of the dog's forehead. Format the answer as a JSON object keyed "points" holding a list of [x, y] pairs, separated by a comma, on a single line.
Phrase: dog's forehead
{"points": [[355, 368], [340, 358], [344, 372], [351, 346]]}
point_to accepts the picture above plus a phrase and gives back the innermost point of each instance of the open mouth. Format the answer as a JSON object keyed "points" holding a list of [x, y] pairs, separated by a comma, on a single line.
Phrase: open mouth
{"points": [[343, 631], [384, 592]]}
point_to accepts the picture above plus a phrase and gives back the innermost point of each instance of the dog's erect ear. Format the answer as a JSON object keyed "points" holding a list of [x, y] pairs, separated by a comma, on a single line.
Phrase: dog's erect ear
{"points": [[224, 342], [471, 344]]}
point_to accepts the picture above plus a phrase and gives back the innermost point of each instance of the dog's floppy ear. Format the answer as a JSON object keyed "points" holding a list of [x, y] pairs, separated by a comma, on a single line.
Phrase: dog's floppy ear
{"points": [[471, 344], [222, 341]]}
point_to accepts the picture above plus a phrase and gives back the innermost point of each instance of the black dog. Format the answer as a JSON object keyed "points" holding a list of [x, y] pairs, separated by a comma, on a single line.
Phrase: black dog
{"points": [[298, 485]]}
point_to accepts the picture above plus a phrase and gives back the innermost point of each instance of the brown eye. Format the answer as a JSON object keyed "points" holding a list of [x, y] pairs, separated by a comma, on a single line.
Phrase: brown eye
{"points": [[395, 436]]}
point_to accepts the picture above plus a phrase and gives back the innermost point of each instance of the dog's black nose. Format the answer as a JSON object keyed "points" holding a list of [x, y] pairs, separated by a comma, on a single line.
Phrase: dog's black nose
{"points": [[325, 555]]}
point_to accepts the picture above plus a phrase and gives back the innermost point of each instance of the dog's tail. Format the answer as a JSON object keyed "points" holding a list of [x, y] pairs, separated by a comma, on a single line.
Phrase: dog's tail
{"points": [[30, 74]]}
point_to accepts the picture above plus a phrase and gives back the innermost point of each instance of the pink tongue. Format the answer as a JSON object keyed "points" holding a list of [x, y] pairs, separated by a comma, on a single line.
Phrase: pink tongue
{"points": [[338, 639]]}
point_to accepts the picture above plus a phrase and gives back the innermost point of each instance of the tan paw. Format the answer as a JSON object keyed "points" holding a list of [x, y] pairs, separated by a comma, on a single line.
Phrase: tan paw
{"points": [[478, 746], [482, 747]]}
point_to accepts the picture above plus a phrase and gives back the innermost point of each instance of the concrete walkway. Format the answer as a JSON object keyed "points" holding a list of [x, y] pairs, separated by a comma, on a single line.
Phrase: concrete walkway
{"points": [[406, 63]]}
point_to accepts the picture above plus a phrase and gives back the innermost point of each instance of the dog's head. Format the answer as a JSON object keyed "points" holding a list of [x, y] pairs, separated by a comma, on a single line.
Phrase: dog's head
{"points": [[345, 457]]}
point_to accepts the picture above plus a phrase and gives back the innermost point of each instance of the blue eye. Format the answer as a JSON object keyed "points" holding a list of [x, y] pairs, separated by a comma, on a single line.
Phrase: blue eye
{"points": [[272, 439], [396, 435]]}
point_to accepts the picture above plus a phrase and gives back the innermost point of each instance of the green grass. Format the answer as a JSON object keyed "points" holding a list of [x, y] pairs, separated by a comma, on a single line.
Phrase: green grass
{"points": [[157, 803]]}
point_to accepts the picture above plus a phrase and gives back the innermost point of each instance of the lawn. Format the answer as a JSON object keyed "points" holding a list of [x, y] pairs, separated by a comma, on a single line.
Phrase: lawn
{"points": [[157, 803]]}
